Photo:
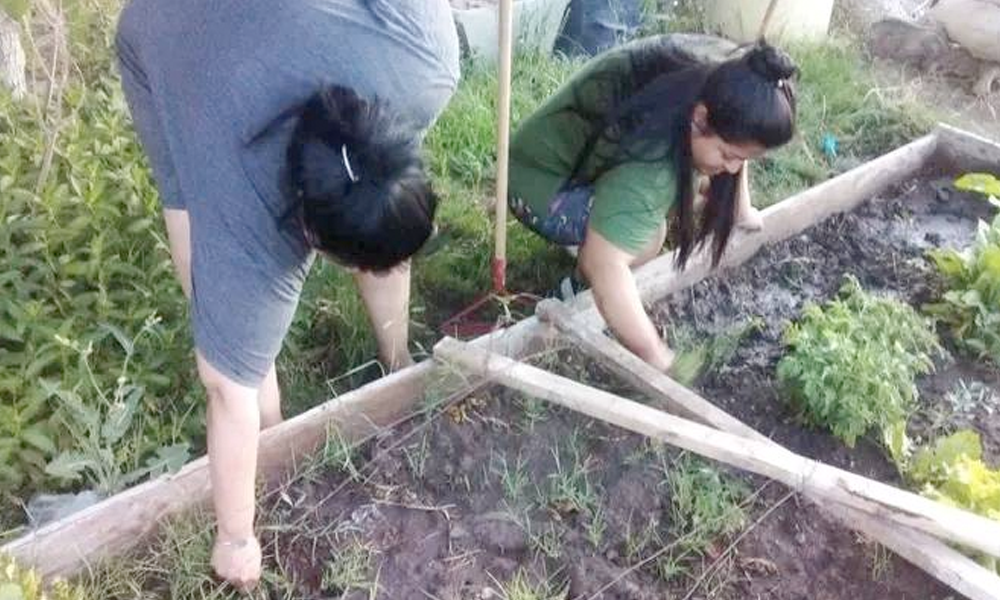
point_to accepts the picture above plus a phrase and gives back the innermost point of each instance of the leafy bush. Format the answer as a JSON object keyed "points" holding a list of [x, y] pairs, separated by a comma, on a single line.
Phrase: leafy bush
{"points": [[17, 583], [852, 362], [81, 244], [952, 471], [971, 306]]}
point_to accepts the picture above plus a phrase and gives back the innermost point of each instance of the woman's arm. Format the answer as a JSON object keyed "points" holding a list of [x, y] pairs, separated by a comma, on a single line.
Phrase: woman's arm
{"points": [[608, 270]]}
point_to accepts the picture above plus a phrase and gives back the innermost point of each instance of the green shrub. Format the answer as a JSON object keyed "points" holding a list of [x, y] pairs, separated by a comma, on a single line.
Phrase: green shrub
{"points": [[952, 471], [852, 362], [971, 306], [81, 245]]}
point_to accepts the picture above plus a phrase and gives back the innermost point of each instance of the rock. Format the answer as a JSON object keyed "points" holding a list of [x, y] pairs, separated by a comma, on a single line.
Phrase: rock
{"points": [[907, 42], [924, 47], [975, 24], [862, 14]]}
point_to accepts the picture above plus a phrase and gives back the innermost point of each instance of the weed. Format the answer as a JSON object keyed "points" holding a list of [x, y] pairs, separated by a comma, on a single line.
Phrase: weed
{"points": [[99, 427], [520, 587], [852, 363], [695, 356], [548, 543], [704, 506], [514, 480], [535, 410], [340, 454], [570, 490], [20, 583], [636, 542], [967, 398], [350, 570], [416, 457], [595, 527]]}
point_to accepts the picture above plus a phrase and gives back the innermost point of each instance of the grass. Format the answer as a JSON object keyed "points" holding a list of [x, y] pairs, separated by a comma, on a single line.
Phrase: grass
{"points": [[569, 488], [521, 587], [351, 569]]}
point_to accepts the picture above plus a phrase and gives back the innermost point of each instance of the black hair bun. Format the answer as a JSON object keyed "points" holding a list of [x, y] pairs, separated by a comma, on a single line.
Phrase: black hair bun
{"points": [[771, 63]]}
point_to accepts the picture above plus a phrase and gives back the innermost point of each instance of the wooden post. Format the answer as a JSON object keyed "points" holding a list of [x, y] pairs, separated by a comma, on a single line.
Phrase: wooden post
{"points": [[937, 559], [506, 41], [815, 479]]}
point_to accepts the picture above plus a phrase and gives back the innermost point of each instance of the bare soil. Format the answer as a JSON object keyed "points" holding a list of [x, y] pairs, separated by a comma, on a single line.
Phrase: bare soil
{"points": [[442, 513]]}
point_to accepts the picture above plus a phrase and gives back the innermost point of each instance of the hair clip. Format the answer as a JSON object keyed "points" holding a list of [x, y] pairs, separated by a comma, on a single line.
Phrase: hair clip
{"points": [[347, 163]]}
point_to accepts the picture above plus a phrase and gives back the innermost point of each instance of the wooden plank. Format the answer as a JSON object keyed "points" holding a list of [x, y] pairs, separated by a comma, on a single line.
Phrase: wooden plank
{"points": [[968, 151], [815, 479], [119, 523], [787, 218], [676, 398], [952, 568]]}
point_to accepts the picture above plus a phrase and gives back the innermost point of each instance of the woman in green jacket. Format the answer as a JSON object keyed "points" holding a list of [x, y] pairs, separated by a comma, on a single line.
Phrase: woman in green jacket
{"points": [[640, 133]]}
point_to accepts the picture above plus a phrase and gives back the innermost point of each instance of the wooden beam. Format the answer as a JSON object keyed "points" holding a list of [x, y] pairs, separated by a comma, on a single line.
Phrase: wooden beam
{"points": [[121, 522], [967, 151], [942, 562], [813, 478]]}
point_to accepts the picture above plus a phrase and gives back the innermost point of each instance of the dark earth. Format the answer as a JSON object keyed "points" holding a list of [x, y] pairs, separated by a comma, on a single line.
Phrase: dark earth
{"points": [[438, 519]]}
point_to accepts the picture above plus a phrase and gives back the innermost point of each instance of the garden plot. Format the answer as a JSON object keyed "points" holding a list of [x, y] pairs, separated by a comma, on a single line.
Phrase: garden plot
{"points": [[505, 496]]}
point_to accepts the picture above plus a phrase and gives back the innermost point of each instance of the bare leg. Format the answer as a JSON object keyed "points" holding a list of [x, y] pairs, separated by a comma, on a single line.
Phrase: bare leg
{"points": [[269, 400], [233, 425], [387, 299]]}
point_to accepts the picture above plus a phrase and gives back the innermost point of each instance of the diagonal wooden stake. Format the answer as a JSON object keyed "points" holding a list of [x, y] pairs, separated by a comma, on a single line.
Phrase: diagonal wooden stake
{"points": [[816, 479], [673, 397], [939, 560]]}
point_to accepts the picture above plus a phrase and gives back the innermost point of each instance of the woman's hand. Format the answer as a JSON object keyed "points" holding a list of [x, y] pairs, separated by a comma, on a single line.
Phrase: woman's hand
{"points": [[237, 562]]}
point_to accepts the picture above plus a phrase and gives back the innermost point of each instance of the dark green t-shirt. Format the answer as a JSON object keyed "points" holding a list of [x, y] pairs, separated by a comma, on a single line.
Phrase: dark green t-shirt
{"points": [[631, 199]]}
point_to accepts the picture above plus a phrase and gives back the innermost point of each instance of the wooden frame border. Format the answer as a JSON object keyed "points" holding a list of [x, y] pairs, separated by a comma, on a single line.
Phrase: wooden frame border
{"points": [[116, 525]]}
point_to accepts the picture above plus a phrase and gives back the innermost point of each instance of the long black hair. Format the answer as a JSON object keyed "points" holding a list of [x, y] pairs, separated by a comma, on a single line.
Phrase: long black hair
{"points": [[750, 98], [354, 173]]}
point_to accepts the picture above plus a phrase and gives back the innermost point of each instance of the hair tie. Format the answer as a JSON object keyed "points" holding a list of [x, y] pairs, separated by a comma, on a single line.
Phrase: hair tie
{"points": [[347, 163]]}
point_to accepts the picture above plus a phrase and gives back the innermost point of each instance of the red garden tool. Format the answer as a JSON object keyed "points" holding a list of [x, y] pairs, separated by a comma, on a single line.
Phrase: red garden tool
{"points": [[476, 319]]}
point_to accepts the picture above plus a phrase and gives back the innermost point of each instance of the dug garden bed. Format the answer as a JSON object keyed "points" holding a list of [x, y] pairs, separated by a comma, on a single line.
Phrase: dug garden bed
{"points": [[503, 496]]}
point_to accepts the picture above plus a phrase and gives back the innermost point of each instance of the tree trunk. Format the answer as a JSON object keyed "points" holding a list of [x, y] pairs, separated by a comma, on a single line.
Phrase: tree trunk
{"points": [[12, 59]]}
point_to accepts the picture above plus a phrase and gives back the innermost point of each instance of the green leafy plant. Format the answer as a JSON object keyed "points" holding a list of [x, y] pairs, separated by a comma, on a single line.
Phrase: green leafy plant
{"points": [[19, 583], [98, 426], [971, 306], [952, 471], [852, 362], [81, 242]]}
